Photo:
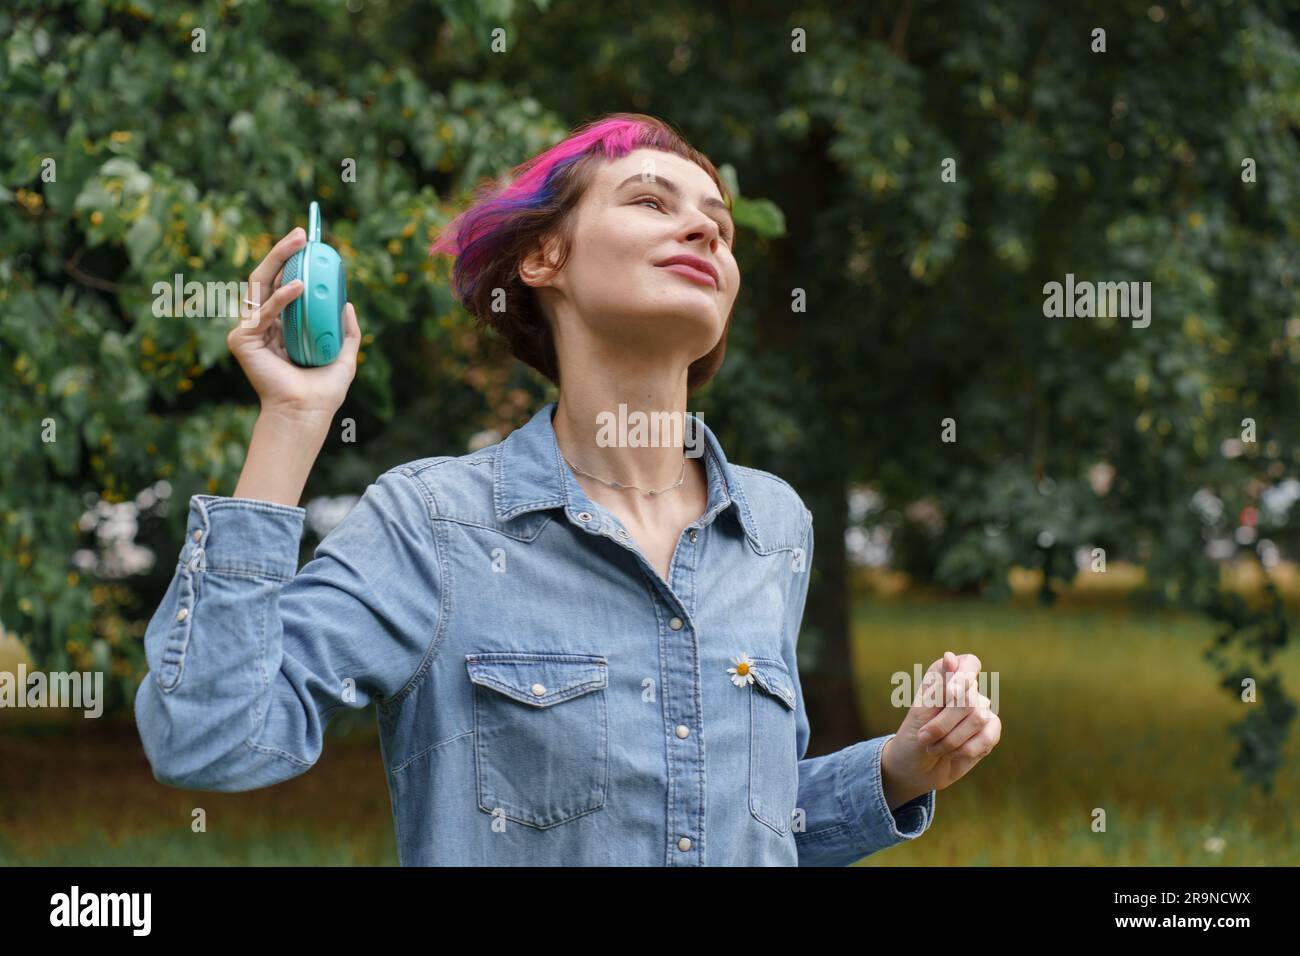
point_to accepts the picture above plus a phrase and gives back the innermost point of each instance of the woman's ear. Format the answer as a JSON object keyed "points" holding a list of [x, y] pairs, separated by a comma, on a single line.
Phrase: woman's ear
{"points": [[538, 268]]}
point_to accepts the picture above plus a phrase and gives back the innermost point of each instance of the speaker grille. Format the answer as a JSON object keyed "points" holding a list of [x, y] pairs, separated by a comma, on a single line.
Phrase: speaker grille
{"points": [[289, 318]]}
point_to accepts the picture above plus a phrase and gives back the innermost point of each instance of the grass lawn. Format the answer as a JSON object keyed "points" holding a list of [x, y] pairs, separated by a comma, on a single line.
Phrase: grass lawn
{"points": [[88, 798], [1101, 707]]}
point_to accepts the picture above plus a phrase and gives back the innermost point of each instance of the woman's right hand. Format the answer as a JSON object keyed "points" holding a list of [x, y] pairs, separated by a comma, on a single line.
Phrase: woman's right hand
{"points": [[257, 343]]}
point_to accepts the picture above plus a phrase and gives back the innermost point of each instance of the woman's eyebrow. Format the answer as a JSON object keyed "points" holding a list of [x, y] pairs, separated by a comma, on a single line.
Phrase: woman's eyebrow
{"points": [[712, 201]]}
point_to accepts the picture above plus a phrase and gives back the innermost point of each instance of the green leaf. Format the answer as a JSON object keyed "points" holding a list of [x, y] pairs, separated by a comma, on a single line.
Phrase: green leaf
{"points": [[759, 215], [212, 339], [728, 174], [141, 239]]}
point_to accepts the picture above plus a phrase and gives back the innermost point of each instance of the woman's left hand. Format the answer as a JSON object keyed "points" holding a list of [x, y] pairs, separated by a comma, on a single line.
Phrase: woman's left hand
{"points": [[942, 737]]}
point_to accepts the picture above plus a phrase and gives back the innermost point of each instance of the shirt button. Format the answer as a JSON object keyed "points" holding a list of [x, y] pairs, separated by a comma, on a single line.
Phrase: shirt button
{"points": [[684, 844], [622, 532], [584, 515], [675, 624], [182, 614], [694, 535], [197, 534], [683, 730], [539, 690]]}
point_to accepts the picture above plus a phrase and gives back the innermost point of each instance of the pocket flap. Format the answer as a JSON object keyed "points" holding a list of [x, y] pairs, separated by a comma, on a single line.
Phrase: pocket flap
{"points": [[773, 677], [538, 679]]}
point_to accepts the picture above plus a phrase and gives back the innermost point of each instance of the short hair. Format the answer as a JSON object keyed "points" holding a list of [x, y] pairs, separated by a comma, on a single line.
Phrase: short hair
{"points": [[505, 224]]}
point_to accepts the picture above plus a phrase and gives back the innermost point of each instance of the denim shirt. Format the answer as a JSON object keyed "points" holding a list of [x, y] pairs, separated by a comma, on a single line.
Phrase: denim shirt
{"points": [[544, 697]]}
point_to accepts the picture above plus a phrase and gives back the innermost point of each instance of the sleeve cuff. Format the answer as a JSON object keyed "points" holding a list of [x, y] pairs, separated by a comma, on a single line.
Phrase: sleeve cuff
{"points": [[243, 536], [879, 828]]}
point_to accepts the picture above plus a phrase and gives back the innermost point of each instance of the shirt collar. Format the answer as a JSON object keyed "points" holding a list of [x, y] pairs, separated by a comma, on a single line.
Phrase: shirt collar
{"points": [[530, 474]]}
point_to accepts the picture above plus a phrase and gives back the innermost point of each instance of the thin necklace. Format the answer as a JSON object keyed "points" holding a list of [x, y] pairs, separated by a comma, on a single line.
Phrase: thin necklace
{"points": [[616, 484]]}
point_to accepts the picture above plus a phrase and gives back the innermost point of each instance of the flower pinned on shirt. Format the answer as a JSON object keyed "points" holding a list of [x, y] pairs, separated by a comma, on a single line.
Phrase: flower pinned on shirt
{"points": [[742, 673]]}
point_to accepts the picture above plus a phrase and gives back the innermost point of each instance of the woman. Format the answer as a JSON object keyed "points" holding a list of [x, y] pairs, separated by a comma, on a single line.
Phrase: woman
{"points": [[580, 643]]}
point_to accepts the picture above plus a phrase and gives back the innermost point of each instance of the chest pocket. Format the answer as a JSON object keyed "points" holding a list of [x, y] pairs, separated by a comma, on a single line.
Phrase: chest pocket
{"points": [[773, 760], [541, 735]]}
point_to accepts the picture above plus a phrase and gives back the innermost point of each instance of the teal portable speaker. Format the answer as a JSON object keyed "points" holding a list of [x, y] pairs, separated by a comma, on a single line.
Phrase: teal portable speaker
{"points": [[313, 322]]}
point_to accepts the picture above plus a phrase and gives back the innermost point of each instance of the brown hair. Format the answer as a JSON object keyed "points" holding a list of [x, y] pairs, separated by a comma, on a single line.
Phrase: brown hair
{"points": [[504, 225]]}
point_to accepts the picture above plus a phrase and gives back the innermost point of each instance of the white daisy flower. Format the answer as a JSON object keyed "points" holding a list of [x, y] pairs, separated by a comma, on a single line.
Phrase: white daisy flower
{"points": [[741, 674]]}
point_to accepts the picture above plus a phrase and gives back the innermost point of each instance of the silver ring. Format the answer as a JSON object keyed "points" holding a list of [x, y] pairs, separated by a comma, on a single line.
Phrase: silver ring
{"points": [[254, 313]]}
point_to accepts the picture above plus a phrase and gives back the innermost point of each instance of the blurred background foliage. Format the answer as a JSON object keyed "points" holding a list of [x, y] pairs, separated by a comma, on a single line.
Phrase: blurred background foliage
{"points": [[878, 299]]}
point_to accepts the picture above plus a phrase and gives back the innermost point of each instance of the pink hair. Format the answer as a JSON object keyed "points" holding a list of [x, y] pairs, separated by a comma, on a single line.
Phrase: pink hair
{"points": [[474, 236]]}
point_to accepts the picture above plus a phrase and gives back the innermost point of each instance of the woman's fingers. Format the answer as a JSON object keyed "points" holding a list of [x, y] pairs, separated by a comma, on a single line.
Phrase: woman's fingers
{"points": [[960, 696], [254, 322], [927, 695], [962, 687], [976, 719], [957, 723], [351, 335], [261, 280], [977, 747]]}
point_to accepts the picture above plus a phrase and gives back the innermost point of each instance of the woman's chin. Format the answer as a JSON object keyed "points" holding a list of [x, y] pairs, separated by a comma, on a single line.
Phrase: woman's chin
{"points": [[703, 327], [699, 309], [693, 317]]}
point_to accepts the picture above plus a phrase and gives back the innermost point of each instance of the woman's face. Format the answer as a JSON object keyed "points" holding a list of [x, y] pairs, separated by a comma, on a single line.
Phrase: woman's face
{"points": [[615, 288]]}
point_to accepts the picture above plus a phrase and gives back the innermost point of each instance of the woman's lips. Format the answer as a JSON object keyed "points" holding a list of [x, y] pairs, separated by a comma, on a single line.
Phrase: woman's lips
{"points": [[695, 275]]}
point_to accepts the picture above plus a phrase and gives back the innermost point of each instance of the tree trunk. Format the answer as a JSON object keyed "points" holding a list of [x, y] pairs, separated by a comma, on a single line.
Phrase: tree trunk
{"points": [[831, 700]]}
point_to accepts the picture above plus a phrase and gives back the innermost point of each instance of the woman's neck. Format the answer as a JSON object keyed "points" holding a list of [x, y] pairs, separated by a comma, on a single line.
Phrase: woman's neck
{"points": [[634, 436]]}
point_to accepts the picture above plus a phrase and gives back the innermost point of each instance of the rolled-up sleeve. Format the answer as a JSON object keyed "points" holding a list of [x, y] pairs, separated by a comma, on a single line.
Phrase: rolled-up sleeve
{"points": [[249, 660], [879, 827], [842, 815]]}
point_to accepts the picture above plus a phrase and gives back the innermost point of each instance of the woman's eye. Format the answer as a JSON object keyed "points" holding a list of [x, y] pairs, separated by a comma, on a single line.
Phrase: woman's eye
{"points": [[723, 230]]}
